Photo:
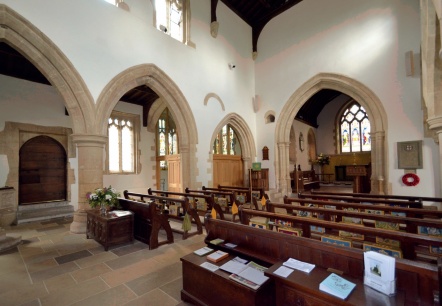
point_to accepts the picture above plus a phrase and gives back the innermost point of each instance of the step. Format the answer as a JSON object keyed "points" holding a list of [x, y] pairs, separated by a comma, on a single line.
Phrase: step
{"points": [[45, 211]]}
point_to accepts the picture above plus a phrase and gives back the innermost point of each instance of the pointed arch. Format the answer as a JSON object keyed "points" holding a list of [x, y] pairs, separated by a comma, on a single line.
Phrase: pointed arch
{"points": [[173, 98], [216, 97], [52, 63], [360, 93], [245, 137]]}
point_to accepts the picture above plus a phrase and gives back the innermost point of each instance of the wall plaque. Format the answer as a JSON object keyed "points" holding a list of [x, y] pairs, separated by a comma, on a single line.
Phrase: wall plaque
{"points": [[410, 154]]}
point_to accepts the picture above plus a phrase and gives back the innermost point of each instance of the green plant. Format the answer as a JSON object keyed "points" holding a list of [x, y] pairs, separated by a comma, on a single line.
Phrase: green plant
{"points": [[107, 195]]}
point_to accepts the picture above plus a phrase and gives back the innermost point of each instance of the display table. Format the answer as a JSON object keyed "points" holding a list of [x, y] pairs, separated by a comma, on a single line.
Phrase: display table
{"points": [[300, 288], [204, 287], [109, 230]]}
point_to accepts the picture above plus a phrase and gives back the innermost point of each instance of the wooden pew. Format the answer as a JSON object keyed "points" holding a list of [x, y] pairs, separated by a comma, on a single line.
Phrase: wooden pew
{"points": [[366, 200], [409, 238], [184, 205], [416, 281], [195, 199], [148, 220], [420, 199], [256, 192], [304, 180]]}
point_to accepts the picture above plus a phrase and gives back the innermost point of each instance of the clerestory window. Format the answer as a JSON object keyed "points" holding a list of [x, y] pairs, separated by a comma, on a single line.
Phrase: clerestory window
{"points": [[173, 18], [354, 130]]}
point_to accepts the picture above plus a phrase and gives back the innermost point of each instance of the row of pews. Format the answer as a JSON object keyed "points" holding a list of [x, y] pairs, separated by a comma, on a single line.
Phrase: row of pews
{"points": [[154, 210], [331, 231]]}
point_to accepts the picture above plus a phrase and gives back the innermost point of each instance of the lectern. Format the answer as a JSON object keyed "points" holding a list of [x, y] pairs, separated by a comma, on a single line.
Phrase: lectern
{"points": [[357, 172]]}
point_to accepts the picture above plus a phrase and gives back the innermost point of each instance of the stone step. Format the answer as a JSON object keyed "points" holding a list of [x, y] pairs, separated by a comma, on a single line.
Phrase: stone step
{"points": [[45, 211]]}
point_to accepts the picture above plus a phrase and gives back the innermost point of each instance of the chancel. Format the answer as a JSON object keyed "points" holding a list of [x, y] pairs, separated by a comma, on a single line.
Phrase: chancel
{"points": [[303, 130]]}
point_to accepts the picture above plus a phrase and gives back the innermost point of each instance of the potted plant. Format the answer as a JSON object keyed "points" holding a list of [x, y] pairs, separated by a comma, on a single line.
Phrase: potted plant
{"points": [[104, 198]]}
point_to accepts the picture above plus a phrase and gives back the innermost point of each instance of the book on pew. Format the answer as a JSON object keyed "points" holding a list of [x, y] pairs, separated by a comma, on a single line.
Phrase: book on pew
{"points": [[337, 286], [217, 241], [251, 276], [217, 256], [203, 251]]}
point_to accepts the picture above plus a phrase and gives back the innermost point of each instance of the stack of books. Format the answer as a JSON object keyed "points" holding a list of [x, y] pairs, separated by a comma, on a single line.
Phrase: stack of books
{"points": [[249, 274]]}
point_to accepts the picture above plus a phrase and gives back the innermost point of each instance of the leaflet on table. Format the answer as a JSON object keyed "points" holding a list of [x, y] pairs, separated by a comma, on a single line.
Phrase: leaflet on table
{"points": [[230, 245], [203, 251], [250, 274], [283, 271], [299, 265], [120, 213], [337, 286], [209, 266]]}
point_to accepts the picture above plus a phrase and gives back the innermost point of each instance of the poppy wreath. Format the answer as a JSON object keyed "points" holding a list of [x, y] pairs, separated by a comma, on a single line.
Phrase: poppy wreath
{"points": [[410, 179]]}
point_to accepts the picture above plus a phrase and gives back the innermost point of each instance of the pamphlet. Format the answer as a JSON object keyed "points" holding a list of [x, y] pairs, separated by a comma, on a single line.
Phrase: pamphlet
{"points": [[379, 272], [203, 251], [251, 275], [209, 266], [283, 271], [120, 213], [337, 286], [230, 245], [299, 265]]}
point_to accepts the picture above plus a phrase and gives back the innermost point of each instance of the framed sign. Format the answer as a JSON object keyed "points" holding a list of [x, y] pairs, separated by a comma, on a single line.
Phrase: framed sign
{"points": [[410, 154]]}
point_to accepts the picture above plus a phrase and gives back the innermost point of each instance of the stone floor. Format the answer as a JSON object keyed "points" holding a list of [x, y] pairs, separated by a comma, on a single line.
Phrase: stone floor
{"points": [[55, 267]]}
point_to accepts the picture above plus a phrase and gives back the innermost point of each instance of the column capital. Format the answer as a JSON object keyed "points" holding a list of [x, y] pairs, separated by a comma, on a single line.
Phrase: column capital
{"points": [[435, 124], [89, 140]]}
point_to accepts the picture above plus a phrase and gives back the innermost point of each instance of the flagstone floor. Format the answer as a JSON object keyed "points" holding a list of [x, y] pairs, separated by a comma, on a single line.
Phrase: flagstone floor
{"points": [[55, 267]]}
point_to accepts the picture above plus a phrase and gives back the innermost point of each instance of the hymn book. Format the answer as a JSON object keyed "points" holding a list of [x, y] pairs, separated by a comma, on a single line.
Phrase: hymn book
{"points": [[217, 256]]}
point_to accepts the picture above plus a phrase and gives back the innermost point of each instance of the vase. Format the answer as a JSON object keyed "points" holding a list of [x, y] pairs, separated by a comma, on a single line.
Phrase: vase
{"points": [[103, 209]]}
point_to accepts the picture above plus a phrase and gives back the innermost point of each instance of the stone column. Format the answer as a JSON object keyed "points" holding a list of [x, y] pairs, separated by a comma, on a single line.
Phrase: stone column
{"points": [[90, 152], [378, 160], [246, 163], [284, 185]]}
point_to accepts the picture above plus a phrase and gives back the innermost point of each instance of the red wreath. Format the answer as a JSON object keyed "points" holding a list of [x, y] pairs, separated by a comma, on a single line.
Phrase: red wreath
{"points": [[410, 179]]}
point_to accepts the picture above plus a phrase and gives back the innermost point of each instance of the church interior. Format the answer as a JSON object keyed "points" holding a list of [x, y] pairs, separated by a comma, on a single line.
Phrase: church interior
{"points": [[134, 133]]}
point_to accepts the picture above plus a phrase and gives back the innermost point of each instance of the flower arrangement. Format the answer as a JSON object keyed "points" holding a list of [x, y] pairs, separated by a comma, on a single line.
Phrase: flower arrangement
{"points": [[107, 196], [322, 160]]}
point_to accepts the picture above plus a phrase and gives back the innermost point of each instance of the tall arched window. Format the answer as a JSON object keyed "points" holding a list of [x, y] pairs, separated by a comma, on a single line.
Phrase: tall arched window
{"points": [[123, 134], [226, 142], [354, 130], [167, 138]]}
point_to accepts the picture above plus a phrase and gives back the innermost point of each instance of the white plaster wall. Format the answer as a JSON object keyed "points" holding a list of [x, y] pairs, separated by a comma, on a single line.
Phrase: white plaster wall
{"points": [[363, 40], [102, 40]]}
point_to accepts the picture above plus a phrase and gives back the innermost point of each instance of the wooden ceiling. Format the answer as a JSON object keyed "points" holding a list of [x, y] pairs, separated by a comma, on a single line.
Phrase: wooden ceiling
{"points": [[256, 13]]}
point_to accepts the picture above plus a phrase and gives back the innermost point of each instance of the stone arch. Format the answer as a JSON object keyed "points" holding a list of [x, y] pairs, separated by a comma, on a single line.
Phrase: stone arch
{"points": [[55, 66], [170, 94], [360, 93], [245, 137], [215, 96]]}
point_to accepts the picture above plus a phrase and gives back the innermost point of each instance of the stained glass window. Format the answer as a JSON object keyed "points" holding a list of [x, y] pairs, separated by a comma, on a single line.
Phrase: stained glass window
{"points": [[167, 143], [226, 142], [355, 130]]}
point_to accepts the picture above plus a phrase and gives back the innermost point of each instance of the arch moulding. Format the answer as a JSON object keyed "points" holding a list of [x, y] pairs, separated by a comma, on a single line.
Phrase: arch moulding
{"points": [[360, 93], [171, 95], [245, 138]]}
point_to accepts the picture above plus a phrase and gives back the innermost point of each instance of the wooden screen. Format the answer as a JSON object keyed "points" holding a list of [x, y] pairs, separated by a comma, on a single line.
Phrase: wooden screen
{"points": [[228, 170]]}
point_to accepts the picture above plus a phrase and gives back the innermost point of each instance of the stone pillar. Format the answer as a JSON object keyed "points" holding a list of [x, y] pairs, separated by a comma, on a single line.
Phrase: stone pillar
{"points": [[90, 149], [378, 173], [246, 166], [284, 185], [435, 125]]}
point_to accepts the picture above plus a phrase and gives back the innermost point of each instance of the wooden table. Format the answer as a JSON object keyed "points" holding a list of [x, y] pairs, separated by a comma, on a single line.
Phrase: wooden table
{"points": [[109, 230], [204, 287], [301, 288]]}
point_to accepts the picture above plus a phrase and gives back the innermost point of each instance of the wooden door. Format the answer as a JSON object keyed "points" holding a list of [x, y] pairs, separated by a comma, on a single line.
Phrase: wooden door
{"points": [[42, 171], [228, 170], [174, 173]]}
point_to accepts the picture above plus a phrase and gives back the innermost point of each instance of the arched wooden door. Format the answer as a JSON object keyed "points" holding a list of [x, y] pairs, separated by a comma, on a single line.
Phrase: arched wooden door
{"points": [[42, 171]]}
